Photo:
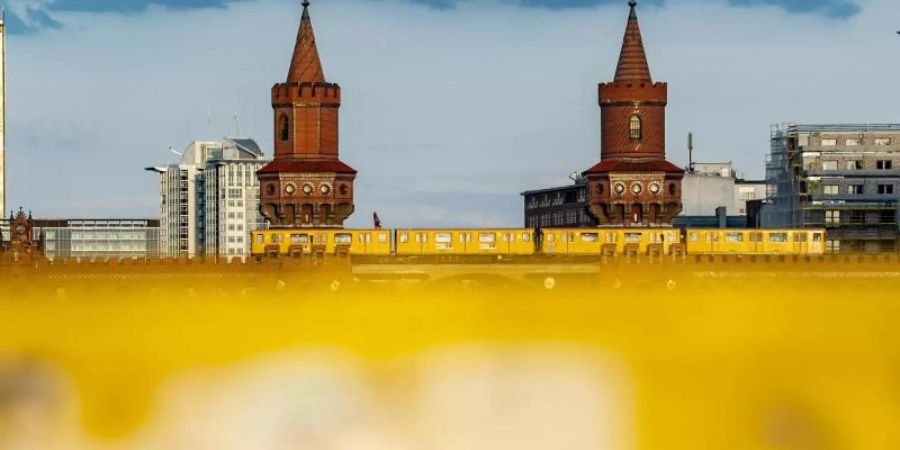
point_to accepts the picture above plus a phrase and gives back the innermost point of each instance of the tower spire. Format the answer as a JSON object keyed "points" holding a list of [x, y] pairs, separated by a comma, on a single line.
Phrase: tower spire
{"points": [[305, 64], [632, 59]]}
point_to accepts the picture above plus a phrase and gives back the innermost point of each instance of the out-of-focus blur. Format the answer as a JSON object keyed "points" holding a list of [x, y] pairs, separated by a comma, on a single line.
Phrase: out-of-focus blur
{"points": [[739, 354]]}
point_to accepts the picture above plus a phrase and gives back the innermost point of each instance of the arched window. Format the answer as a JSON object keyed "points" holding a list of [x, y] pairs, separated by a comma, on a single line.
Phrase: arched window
{"points": [[285, 127], [634, 128]]}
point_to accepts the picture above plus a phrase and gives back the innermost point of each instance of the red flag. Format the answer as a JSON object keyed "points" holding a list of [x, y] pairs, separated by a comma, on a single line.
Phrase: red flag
{"points": [[376, 220]]}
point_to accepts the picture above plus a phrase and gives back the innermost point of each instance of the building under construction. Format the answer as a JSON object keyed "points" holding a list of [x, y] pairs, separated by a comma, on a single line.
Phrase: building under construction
{"points": [[844, 177]]}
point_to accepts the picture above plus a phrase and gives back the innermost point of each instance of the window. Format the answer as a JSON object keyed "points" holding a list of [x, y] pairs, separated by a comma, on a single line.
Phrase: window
{"points": [[382, 238], [829, 165], [285, 127], [829, 142], [853, 165], [855, 189], [885, 188], [633, 237], [526, 237], [487, 241], [734, 237], [883, 164], [777, 237], [852, 142], [404, 238], [634, 128], [277, 239], [833, 246], [343, 238], [571, 216], [799, 237], [590, 237], [882, 141], [830, 189], [421, 237], [299, 239], [756, 236], [832, 217], [443, 241]]}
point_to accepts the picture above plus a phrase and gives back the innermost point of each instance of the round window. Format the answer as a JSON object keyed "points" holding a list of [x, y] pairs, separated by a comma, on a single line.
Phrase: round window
{"points": [[345, 189], [599, 188], [325, 189], [636, 188], [620, 188], [290, 189], [307, 189], [270, 189], [654, 188], [672, 189]]}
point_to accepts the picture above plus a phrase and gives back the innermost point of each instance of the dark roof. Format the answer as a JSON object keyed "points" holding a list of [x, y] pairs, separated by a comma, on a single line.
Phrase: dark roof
{"points": [[306, 165], [248, 144], [634, 166]]}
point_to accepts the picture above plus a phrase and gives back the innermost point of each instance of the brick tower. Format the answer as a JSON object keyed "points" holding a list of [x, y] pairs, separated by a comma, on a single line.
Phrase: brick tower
{"points": [[633, 184], [306, 185]]}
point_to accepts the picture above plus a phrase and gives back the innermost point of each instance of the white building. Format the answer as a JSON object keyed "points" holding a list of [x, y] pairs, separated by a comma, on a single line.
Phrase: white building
{"points": [[713, 185], [209, 202]]}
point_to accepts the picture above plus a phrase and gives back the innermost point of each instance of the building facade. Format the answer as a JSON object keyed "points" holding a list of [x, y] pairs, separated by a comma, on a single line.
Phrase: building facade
{"points": [[306, 185], [98, 239], [633, 184], [845, 178], [709, 186], [209, 201], [565, 206]]}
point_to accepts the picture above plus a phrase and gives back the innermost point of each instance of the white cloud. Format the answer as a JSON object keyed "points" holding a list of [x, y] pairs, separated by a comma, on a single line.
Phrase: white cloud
{"points": [[447, 114]]}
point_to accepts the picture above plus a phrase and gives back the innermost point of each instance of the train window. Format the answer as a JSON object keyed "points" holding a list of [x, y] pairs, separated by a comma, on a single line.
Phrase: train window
{"points": [[277, 239], [299, 239], [777, 237], [404, 238], [799, 237], [590, 237], [343, 238], [817, 237], [550, 237], [260, 239], [694, 236], [712, 236], [526, 237], [633, 237], [612, 238], [320, 238], [382, 238], [421, 237], [734, 237], [487, 240], [443, 241], [670, 236]]}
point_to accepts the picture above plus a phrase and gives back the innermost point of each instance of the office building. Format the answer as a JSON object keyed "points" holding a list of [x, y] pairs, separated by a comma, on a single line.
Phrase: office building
{"points": [[209, 201], [843, 177]]}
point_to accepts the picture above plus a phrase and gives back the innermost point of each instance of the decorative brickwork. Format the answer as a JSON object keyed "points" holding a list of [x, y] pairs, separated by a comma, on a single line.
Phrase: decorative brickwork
{"points": [[306, 185], [633, 184]]}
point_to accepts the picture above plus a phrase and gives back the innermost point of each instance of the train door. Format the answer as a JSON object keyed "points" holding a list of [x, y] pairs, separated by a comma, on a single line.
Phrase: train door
{"points": [[465, 239], [712, 239], [694, 242], [777, 242], [754, 241], [364, 241], [421, 241], [801, 244], [299, 244]]}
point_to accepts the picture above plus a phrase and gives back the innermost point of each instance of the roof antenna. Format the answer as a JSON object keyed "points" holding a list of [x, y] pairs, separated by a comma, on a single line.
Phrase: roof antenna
{"points": [[172, 149], [691, 152]]}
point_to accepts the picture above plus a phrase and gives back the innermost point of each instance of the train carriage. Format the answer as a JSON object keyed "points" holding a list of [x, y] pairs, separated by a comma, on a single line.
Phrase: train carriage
{"points": [[518, 241], [610, 241], [755, 241], [299, 242]]}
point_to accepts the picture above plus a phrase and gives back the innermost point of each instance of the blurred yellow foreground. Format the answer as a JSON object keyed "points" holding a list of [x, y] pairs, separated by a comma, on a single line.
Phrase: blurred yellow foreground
{"points": [[634, 355]]}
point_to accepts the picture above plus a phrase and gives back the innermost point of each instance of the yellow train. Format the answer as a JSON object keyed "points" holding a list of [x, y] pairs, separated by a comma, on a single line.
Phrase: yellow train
{"points": [[516, 242]]}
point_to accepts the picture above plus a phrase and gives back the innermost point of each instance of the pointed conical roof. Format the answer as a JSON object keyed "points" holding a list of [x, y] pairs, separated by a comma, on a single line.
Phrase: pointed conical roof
{"points": [[305, 64], [632, 60]]}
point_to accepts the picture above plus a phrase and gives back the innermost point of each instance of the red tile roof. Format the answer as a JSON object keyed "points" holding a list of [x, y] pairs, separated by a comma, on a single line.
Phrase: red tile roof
{"points": [[634, 166], [306, 165]]}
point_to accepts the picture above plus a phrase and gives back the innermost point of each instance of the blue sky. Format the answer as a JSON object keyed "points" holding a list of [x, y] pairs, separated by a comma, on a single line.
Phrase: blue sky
{"points": [[450, 108]]}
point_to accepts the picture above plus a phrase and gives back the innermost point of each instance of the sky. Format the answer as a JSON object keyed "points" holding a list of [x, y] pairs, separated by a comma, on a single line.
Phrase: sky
{"points": [[451, 108]]}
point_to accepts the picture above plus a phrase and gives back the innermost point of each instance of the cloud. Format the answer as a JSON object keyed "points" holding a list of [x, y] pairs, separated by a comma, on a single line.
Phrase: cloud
{"points": [[41, 16]]}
